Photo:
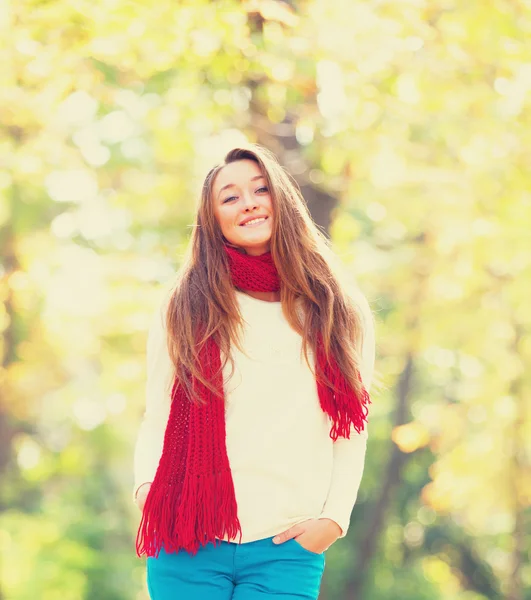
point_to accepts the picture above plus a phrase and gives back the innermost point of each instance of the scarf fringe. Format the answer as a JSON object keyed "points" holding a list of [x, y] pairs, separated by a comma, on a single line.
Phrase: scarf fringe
{"points": [[204, 511], [346, 410]]}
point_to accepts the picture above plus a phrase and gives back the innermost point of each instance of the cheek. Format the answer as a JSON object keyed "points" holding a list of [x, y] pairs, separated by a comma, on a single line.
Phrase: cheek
{"points": [[226, 219]]}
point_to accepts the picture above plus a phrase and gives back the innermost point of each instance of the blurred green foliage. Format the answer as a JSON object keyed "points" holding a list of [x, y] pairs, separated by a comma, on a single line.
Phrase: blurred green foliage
{"points": [[408, 127]]}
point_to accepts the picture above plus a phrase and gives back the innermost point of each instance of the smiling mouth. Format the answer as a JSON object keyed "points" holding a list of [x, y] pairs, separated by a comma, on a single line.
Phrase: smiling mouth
{"points": [[254, 223]]}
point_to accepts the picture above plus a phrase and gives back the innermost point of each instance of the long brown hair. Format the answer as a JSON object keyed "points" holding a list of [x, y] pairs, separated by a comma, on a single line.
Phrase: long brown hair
{"points": [[310, 276]]}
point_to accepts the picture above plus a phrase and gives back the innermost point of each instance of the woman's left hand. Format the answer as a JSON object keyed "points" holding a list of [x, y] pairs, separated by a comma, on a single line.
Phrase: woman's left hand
{"points": [[316, 535]]}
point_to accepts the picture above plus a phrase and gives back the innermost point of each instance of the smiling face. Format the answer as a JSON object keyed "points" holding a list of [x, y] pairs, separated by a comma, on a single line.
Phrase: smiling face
{"points": [[239, 194]]}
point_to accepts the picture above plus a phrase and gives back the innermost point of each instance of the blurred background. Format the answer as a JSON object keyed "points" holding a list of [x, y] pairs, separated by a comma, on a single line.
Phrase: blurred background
{"points": [[407, 124]]}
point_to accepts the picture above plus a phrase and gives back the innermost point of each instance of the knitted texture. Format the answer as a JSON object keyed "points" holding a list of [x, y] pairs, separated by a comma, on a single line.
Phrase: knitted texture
{"points": [[253, 273], [191, 501]]}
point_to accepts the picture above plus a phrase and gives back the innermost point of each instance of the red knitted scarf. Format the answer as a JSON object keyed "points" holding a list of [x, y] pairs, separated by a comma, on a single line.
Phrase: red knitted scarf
{"points": [[191, 501]]}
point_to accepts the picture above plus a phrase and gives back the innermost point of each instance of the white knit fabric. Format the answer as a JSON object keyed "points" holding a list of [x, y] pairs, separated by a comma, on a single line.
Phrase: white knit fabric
{"points": [[284, 465]]}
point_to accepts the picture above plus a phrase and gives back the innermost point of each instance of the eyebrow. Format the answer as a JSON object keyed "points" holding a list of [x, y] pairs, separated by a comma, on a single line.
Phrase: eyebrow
{"points": [[229, 185]]}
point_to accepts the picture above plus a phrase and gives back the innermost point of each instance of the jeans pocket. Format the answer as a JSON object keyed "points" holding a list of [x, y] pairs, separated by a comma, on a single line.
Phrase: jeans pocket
{"points": [[310, 552]]}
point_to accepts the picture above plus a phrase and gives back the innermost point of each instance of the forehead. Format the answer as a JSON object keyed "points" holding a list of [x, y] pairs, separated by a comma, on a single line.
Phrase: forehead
{"points": [[237, 173]]}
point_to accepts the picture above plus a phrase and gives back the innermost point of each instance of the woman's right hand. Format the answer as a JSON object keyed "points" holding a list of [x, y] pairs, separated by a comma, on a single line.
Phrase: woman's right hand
{"points": [[141, 495]]}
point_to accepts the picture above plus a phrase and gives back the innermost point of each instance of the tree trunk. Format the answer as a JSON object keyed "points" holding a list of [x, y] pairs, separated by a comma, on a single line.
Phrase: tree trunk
{"points": [[368, 544]]}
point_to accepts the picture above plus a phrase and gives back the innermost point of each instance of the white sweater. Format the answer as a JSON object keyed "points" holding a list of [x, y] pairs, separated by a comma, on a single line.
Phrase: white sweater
{"points": [[284, 465]]}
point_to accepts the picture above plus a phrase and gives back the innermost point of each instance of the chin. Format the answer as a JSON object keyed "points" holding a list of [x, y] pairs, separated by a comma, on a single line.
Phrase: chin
{"points": [[251, 240], [260, 245]]}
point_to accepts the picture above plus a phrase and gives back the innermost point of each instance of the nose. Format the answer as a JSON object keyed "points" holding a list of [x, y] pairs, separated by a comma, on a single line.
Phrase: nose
{"points": [[249, 201]]}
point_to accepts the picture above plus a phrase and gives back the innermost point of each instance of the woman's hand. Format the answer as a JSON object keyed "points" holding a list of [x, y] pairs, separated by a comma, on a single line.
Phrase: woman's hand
{"points": [[141, 495], [316, 535]]}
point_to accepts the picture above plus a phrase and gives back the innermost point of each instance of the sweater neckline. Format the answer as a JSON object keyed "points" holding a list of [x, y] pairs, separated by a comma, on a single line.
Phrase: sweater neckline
{"points": [[256, 300]]}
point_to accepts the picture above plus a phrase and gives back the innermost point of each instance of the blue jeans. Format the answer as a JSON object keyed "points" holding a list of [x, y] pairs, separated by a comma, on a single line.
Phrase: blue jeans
{"points": [[252, 571]]}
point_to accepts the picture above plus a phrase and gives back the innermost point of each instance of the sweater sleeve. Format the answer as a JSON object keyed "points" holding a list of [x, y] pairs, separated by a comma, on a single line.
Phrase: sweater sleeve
{"points": [[159, 377], [349, 454]]}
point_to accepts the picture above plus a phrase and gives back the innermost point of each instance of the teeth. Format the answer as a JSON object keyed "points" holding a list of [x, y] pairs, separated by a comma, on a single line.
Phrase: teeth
{"points": [[254, 221]]}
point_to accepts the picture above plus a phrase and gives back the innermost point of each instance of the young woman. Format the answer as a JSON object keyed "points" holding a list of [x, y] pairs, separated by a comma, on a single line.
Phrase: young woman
{"points": [[251, 450]]}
